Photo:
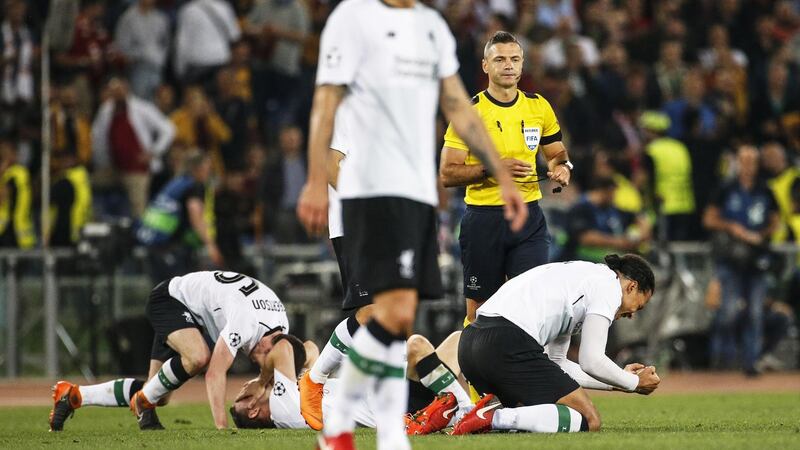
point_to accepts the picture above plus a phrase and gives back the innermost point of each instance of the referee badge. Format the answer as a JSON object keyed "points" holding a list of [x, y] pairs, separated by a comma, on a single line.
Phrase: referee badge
{"points": [[532, 136]]}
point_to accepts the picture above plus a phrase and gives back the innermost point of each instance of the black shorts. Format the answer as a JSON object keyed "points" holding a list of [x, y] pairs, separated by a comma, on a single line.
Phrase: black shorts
{"points": [[498, 357], [355, 296], [166, 314], [392, 244], [491, 252]]}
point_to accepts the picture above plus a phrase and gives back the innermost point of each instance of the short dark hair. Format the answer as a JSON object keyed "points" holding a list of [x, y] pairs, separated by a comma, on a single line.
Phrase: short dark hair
{"points": [[242, 421], [500, 37], [298, 349], [635, 268]]}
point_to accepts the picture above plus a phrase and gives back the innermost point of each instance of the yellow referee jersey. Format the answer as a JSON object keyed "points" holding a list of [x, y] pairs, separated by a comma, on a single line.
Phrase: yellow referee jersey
{"points": [[517, 128]]}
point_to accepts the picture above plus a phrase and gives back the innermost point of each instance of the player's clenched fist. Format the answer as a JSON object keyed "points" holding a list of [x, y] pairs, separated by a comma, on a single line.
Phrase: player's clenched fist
{"points": [[648, 378]]}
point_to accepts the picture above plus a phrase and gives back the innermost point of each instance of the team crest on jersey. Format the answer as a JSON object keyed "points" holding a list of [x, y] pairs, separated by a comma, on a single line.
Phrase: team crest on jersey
{"points": [[333, 58], [532, 136], [406, 262], [235, 339], [279, 388]]}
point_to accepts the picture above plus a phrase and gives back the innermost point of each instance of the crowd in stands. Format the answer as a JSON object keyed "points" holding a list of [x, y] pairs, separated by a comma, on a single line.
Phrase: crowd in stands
{"points": [[681, 117]]}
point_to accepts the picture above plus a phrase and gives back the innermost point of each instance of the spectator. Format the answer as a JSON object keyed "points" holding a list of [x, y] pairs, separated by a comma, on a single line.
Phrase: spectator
{"points": [[742, 215], [143, 37], [243, 71], [668, 170], [237, 115], [554, 13], [719, 48], [176, 223], [280, 28], [555, 54], [596, 227], [131, 136], [691, 109], [71, 201], [777, 99], [71, 130], [232, 207], [609, 83], [205, 31], [16, 225], [91, 55], [282, 182], [165, 99], [198, 125], [667, 78], [16, 63]]}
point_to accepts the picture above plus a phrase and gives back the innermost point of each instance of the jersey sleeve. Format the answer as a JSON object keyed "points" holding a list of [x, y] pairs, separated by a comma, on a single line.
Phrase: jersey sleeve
{"points": [[453, 140], [284, 403], [241, 332], [603, 296], [448, 62], [341, 48], [551, 130]]}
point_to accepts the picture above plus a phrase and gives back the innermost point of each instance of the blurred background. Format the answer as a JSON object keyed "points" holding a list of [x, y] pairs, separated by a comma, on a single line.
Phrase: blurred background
{"points": [[140, 139]]}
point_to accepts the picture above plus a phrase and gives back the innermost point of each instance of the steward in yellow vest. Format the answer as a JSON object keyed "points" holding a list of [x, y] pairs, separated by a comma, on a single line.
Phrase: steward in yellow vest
{"points": [[16, 227], [70, 202]]}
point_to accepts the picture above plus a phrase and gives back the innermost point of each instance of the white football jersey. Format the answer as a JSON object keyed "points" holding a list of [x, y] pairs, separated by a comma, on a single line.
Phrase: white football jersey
{"points": [[392, 61], [553, 300], [234, 307], [284, 404], [341, 143]]}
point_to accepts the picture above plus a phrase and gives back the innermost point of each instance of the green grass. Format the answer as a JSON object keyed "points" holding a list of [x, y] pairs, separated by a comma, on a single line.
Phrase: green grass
{"points": [[670, 421]]}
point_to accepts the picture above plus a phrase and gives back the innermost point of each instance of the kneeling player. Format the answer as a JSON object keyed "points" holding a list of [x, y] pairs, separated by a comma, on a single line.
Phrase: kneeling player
{"points": [[516, 349], [241, 313], [279, 406]]}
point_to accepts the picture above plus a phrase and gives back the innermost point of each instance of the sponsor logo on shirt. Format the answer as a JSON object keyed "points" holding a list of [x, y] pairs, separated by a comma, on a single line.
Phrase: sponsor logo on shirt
{"points": [[188, 316]]}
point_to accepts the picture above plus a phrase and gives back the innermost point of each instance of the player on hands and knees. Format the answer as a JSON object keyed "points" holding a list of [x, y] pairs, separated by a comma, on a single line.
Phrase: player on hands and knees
{"points": [[525, 328], [389, 62], [239, 312]]}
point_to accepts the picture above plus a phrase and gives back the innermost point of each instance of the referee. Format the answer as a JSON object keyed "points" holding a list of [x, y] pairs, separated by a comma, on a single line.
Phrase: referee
{"points": [[520, 124], [390, 63]]}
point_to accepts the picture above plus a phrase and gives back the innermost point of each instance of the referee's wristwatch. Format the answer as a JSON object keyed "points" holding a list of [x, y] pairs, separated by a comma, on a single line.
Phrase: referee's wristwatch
{"points": [[567, 163]]}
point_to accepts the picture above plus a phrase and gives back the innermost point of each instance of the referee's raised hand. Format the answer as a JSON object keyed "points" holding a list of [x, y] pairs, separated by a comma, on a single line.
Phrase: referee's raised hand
{"points": [[312, 208]]}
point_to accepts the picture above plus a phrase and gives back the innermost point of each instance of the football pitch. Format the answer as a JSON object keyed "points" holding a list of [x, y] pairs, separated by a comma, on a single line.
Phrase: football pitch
{"points": [[765, 420]]}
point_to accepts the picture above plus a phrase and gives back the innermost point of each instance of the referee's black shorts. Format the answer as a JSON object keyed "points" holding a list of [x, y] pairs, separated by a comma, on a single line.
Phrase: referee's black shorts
{"points": [[392, 243], [355, 296], [166, 315], [491, 252], [498, 357]]}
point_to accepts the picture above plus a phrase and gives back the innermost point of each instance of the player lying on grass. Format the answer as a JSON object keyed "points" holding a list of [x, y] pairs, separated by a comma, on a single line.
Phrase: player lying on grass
{"points": [[279, 405], [239, 312], [515, 351]]}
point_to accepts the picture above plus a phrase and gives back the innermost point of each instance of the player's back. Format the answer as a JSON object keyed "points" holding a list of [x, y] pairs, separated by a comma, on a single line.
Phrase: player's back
{"points": [[552, 299], [392, 61], [217, 297]]}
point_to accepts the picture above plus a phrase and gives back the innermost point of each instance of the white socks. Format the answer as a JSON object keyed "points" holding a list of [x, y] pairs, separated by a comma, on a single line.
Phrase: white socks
{"points": [[391, 397], [375, 364], [550, 418], [333, 353], [171, 376], [437, 377], [111, 393]]}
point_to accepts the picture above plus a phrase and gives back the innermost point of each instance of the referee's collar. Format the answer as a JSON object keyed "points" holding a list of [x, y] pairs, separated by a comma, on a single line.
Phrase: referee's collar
{"points": [[498, 102]]}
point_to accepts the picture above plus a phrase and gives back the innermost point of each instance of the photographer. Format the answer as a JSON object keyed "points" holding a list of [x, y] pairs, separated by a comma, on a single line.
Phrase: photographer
{"points": [[742, 215]]}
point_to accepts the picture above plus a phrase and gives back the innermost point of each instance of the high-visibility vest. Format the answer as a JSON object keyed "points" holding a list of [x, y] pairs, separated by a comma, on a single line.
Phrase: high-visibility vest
{"points": [[20, 217], [781, 187], [673, 175], [81, 211]]}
